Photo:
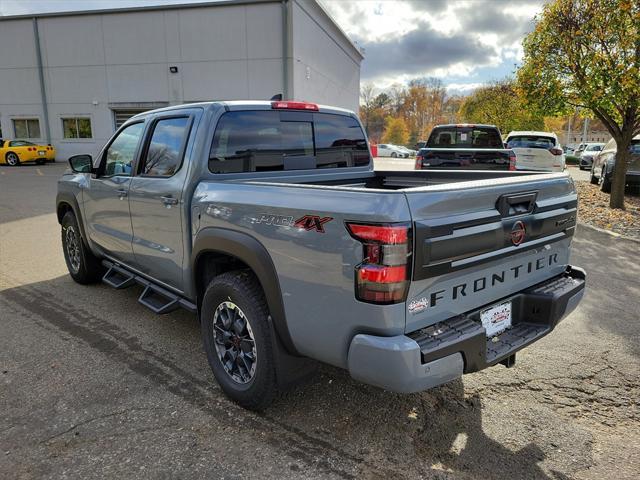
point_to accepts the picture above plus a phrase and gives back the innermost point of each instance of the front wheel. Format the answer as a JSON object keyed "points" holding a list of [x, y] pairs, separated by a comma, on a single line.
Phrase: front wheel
{"points": [[83, 266], [236, 336], [593, 179], [12, 159], [394, 154]]}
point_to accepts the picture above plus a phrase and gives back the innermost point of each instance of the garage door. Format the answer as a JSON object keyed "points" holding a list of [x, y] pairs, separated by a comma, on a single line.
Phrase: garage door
{"points": [[122, 116]]}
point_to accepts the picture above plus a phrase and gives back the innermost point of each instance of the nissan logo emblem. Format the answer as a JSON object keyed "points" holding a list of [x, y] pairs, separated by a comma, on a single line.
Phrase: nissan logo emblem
{"points": [[518, 232]]}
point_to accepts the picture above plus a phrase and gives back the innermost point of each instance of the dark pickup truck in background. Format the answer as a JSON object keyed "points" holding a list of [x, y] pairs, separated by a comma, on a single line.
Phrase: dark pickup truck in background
{"points": [[474, 147]]}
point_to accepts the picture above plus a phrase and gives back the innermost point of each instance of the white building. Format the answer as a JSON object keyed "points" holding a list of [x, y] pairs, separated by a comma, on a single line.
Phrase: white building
{"points": [[70, 79]]}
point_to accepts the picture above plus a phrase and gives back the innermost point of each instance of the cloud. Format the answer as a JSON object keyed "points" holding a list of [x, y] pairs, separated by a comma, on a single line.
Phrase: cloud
{"points": [[422, 51], [455, 41]]}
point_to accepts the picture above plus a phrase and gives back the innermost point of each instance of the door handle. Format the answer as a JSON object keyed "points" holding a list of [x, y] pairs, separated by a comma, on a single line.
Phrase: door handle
{"points": [[169, 200], [121, 193]]}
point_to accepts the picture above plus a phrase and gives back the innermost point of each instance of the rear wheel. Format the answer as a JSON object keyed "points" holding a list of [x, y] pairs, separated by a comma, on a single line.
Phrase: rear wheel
{"points": [[605, 180], [12, 159], [83, 266], [237, 339]]}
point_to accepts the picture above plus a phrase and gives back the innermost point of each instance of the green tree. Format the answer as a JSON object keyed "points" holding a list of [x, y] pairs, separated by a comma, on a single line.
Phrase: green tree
{"points": [[395, 131], [586, 53], [499, 104]]}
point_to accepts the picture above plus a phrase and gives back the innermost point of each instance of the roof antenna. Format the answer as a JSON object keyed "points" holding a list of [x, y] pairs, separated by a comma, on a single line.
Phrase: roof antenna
{"points": [[277, 97]]}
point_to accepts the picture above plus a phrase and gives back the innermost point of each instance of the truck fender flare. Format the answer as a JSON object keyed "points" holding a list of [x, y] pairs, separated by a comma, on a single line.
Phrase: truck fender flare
{"points": [[70, 199], [250, 251]]}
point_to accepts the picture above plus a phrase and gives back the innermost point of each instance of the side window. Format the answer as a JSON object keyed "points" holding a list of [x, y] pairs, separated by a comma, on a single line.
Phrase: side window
{"points": [[120, 155], [166, 147]]}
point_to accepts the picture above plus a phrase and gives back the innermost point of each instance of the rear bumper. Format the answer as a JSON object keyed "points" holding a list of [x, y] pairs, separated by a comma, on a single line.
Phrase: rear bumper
{"points": [[442, 352]]}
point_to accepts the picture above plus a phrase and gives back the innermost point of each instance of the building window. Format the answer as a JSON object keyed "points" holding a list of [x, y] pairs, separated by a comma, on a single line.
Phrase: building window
{"points": [[26, 127], [76, 127]]}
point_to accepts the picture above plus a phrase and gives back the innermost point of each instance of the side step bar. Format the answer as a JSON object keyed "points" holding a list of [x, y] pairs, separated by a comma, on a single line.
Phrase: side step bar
{"points": [[156, 298]]}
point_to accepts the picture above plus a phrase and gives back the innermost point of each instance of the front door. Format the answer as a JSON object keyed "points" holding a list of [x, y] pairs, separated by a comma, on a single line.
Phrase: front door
{"points": [[106, 197], [156, 200]]}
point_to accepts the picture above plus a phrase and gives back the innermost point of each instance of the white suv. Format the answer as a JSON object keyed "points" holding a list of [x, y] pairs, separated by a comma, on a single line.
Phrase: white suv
{"points": [[536, 151]]}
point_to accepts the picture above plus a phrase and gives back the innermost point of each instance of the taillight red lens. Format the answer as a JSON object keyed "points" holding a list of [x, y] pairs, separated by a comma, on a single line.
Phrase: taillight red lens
{"points": [[379, 233], [383, 275], [555, 151], [419, 159], [294, 106], [512, 161]]}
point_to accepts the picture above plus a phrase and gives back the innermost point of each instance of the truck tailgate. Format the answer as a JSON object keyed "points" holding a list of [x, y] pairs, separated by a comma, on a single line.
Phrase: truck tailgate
{"points": [[478, 242]]}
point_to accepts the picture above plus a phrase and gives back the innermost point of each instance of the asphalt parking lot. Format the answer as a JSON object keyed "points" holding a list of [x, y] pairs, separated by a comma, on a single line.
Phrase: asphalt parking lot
{"points": [[94, 385]]}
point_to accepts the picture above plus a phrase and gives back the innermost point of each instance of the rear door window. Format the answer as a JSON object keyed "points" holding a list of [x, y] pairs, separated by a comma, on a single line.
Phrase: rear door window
{"points": [[166, 147], [464, 137], [254, 141], [531, 141]]}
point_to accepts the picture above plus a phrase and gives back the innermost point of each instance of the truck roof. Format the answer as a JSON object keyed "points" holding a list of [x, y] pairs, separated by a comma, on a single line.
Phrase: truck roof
{"points": [[243, 105], [465, 125]]}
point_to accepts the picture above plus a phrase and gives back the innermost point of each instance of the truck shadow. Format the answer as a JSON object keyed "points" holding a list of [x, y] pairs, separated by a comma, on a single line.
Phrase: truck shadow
{"points": [[330, 417]]}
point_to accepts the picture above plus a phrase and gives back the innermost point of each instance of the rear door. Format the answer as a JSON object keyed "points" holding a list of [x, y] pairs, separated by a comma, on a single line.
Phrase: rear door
{"points": [[156, 197], [476, 244], [534, 152]]}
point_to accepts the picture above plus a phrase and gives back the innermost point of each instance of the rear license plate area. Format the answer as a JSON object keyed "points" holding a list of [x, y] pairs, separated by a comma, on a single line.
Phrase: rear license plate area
{"points": [[496, 319]]}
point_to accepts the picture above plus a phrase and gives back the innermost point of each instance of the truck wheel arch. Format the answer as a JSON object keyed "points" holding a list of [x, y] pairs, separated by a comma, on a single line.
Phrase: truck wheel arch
{"points": [[247, 251], [66, 202]]}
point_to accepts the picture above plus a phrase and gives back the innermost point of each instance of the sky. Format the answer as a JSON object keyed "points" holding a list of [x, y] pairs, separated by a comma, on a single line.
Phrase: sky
{"points": [[464, 43]]}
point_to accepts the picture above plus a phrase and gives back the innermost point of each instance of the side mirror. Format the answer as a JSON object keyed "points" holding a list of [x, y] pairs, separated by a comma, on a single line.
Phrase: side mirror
{"points": [[81, 163]]}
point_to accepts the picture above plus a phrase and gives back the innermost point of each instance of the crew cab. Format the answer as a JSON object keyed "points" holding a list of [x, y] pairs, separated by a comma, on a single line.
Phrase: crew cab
{"points": [[268, 220], [465, 146]]}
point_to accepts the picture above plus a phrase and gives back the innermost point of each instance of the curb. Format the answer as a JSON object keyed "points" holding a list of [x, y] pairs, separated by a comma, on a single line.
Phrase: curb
{"points": [[608, 232]]}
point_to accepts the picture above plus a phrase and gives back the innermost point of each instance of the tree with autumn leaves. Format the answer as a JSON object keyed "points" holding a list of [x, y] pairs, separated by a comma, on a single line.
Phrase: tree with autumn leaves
{"points": [[586, 54]]}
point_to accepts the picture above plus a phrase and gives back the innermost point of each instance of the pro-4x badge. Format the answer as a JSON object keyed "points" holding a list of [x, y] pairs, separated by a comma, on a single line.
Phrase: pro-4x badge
{"points": [[312, 222], [308, 222]]}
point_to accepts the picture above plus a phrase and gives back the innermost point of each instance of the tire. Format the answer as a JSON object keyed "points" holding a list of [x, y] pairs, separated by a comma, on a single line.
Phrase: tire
{"points": [[394, 154], [251, 384], [84, 267], [593, 179], [12, 159], [605, 184]]}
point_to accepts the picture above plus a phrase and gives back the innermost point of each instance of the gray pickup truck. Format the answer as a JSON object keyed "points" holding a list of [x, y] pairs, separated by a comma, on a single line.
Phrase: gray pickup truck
{"points": [[268, 220]]}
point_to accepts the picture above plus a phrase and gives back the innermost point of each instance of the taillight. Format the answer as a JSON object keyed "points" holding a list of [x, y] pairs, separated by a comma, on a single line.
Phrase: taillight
{"points": [[512, 161], [555, 151], [383, 275], [419, 159], [294, 106]]}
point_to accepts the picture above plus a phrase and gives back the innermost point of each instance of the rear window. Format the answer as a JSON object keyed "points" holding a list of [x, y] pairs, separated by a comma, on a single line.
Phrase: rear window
{"points": [[255, 141], [531, 141], [464, 137]]}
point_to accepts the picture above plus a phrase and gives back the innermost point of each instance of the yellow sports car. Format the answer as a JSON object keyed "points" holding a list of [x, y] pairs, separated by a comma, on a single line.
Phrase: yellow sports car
{"points": [[15, 152]]}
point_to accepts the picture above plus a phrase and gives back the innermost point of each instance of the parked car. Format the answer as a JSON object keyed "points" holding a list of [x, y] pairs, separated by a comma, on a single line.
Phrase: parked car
{"points": [[539, 151], [288, 244], [407, 151], [389, 150], [15, 152], [604, 164], [468, 146], [588, 153]]}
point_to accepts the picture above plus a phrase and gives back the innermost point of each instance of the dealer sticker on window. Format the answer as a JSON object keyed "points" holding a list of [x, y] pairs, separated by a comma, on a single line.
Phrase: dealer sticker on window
{"points": [[496, 319]]}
